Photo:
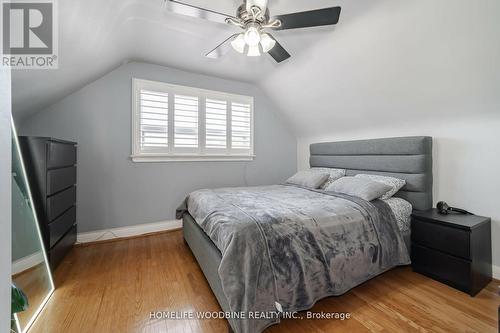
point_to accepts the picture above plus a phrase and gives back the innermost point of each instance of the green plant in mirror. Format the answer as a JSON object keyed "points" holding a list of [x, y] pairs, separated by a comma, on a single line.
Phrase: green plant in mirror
{"points": [[19, 302]]}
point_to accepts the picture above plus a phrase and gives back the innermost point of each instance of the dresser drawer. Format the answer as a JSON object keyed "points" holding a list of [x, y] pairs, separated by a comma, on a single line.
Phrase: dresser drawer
{"points": [[59, 179], [453, 271], [57, 253], [60, 202], [60, 155], [447, 239], [61, 225]]}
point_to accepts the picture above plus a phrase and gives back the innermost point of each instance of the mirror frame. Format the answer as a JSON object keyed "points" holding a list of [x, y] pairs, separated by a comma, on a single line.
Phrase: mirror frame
{"points": [[52, 286]]}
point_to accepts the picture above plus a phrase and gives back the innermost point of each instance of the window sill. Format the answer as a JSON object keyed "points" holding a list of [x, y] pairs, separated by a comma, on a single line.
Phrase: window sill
{"points": [[190, 158]]}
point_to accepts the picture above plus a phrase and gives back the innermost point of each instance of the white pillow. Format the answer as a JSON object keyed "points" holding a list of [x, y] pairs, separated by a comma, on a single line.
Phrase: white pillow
{"points": [[402, 210], [308, 178], [363, 188], [395, 183], [334, 175]]}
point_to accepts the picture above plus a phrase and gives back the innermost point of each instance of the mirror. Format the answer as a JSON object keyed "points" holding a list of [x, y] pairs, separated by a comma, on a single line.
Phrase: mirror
{"points": [[30, 270]]}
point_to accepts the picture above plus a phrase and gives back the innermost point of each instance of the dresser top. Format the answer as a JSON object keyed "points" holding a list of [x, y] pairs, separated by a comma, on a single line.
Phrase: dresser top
{"points": [[452, 219]]}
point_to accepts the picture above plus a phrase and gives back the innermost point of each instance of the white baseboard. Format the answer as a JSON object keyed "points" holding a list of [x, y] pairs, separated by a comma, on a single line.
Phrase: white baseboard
{"points": [[496, 272], [130, 231], [24, 263]]}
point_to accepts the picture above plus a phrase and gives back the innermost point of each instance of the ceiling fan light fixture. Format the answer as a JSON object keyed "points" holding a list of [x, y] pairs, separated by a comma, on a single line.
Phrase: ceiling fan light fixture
{"points": [[252, 36], [239, 43], [253, 51], [267, 42]]}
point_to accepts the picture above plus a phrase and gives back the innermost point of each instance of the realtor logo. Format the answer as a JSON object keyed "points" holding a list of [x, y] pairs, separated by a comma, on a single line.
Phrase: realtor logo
{"points": [[29, 34]]}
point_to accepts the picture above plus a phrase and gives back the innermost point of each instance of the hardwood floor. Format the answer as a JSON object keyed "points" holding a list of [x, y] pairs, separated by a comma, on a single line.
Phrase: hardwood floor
{"points": [[113, 287]]}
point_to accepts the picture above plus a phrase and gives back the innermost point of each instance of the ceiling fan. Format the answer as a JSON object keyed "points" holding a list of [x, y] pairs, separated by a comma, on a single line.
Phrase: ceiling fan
{"points": [[253, 17]]}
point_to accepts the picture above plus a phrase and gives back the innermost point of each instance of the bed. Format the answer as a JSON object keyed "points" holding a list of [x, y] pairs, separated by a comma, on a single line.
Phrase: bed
{"points": [[265, 280]]}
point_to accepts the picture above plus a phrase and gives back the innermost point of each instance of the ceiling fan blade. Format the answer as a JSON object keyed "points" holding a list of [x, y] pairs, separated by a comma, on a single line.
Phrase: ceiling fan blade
{"points": [[278, 52], [312, 18], [194, 11], [221, 49]]}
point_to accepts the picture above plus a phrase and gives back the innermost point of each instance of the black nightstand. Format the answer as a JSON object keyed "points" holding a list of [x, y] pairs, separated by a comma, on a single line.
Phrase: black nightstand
{"points": [[454, 249]]}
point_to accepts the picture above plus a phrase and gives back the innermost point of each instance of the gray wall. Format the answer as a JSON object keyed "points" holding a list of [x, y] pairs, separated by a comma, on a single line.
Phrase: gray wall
{"points": [[112, 190], [5, 178]]}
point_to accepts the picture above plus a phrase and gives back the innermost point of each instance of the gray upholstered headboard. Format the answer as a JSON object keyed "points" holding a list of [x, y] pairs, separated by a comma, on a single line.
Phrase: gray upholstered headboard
{"points": [[408, 158]]}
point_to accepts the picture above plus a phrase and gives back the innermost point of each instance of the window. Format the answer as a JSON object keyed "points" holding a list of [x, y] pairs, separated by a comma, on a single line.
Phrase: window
{"points": [[177, 123]]}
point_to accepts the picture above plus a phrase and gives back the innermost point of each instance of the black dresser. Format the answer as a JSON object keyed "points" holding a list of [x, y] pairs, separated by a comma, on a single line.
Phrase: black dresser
{"points": [[51, 168], [454, 249]]}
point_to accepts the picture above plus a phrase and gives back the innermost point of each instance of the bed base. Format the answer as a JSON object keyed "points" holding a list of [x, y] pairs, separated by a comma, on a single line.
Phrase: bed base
{"points": [[208, 257]]}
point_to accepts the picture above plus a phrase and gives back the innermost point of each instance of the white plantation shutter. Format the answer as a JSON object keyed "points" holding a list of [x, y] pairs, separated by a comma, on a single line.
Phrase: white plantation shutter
{"points": [[241, 122], [186, 121], [153, 119], [173, 122], [215, 124]]}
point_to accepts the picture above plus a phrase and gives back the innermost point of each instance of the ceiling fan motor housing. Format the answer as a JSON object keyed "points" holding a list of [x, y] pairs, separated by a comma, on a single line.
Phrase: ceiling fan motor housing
{"points": [[247, 17]]}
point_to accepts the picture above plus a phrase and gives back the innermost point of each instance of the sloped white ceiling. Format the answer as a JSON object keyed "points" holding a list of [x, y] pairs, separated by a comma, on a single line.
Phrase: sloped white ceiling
{"points": [[386, 60], [394, 62], [96, 36]]}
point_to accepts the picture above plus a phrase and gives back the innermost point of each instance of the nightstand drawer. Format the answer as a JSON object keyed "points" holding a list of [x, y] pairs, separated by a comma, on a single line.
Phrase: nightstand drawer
{"points": [[453, 271], [451, 240]]}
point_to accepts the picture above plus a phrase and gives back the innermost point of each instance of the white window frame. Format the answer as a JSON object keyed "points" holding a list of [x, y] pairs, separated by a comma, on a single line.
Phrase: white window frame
{"points": [[172, 154]]}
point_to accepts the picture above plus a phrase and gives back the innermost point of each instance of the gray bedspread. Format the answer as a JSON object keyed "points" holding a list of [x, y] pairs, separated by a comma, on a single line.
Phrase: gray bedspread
{"points": [[286, 246]]}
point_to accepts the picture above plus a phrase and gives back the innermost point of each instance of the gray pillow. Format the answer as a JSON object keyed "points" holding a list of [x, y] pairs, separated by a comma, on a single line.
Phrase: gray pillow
{"points": [[359, 187], [334, 175], [308, 178], [395, 183]]}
